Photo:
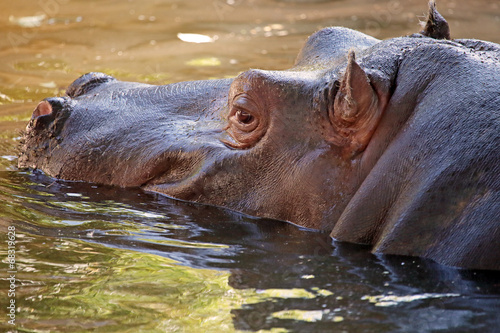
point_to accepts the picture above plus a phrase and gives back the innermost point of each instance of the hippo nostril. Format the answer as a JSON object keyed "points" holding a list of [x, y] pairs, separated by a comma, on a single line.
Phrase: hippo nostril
{"points": [[43, 108], [49, 114], [86, 83], [49, 106]]}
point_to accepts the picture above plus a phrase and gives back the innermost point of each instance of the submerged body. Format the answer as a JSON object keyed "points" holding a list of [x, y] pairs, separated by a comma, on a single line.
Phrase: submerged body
{"points": [[389, 143]]}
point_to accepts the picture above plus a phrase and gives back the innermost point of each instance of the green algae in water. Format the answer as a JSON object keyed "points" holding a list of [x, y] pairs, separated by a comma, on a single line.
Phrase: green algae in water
{"points": [[73, 286]]}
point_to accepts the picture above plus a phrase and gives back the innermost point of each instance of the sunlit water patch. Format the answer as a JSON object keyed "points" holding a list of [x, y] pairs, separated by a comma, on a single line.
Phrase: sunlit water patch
{"points": [[393, 300]]}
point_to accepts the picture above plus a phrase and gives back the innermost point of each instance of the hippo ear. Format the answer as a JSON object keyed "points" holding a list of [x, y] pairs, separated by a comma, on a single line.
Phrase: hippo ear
{"points": [[357, 110], [436, 26]]}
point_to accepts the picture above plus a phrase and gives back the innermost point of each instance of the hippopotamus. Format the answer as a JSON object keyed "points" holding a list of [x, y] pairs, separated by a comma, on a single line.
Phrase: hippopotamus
{"points": [[392, 143]]}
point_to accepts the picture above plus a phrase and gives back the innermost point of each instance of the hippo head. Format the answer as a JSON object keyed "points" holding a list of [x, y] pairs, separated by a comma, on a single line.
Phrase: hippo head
{"points": [[356, 138], [263, 143]]}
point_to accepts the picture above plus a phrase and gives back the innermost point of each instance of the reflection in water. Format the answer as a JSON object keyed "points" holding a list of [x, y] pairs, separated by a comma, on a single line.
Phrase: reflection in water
{"points": [[89, 261], [102, 259]]}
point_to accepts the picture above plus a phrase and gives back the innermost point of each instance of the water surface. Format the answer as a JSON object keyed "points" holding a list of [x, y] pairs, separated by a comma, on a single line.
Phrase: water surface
{"points": [[102, 259]]}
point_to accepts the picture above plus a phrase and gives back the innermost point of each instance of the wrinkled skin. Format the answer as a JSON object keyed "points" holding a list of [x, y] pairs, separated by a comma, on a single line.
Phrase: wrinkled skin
{"points": [[389, 143]]}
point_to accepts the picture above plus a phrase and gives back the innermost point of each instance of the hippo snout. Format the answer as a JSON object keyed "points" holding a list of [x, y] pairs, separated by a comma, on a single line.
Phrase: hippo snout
{"points": [[86, 83]]}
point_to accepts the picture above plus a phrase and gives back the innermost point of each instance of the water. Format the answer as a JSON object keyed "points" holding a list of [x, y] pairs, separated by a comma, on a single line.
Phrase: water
{"points": [[104, 259]]}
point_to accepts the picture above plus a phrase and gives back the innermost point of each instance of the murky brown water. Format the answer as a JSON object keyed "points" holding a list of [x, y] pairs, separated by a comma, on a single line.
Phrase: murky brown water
{"points": [[100, 259]]}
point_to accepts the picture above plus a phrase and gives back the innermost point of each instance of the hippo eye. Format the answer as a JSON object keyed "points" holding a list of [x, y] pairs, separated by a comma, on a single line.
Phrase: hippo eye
{"points": [[247, 122], [244, 117], [245, 114]]}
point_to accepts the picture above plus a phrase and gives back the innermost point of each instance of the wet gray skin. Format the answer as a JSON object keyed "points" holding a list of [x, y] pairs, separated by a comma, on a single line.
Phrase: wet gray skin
{"points": [[389, 143]]}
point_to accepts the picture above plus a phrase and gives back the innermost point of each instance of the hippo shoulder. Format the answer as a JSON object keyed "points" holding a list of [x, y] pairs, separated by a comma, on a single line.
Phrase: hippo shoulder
{"points": [[435, 190]]}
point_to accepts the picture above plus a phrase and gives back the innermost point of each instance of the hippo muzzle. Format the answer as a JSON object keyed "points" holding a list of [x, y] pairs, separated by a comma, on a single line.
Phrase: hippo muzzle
{"points": [[123, 133]]}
